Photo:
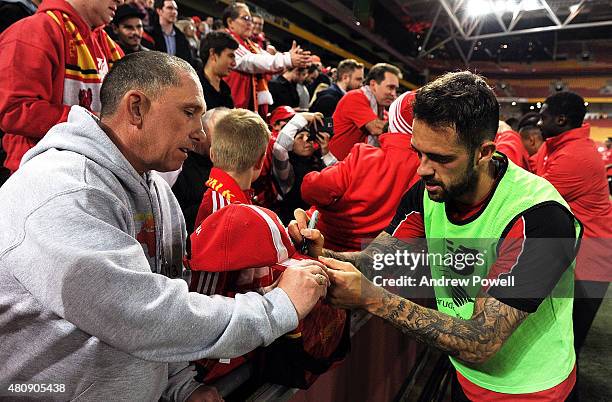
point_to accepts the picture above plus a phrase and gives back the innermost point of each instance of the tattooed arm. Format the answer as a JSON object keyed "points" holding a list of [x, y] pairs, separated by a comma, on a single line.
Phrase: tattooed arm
{"points": [[384, 243], [473, 341]]}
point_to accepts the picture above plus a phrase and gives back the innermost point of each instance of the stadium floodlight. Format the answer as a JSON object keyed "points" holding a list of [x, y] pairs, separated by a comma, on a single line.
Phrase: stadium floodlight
{"points": [[476, 8], [506, 6], [531, 5]]}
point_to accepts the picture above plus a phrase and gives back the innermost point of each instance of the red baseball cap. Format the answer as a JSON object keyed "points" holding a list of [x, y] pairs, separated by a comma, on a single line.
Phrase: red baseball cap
{"points": [[281, 113], [401, 115], [241, 236]]}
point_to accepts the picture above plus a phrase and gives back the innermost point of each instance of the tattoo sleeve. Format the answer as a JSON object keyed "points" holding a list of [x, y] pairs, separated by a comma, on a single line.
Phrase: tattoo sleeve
{"points": [[473, 341], [384, 243]]}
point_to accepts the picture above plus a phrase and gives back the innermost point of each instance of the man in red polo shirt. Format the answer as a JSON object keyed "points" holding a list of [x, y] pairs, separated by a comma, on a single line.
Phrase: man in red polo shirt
{"points": [[360, 113]]}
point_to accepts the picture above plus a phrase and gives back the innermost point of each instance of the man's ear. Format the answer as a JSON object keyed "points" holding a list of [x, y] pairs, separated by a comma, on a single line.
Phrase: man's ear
{"points": [[115, 29], [137, 105], [487, 149], [561, 120], [532, 140], [211, 54]]}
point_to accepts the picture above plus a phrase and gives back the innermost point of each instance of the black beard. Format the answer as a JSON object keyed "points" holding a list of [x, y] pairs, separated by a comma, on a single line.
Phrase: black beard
{"points": [[465, 186]]}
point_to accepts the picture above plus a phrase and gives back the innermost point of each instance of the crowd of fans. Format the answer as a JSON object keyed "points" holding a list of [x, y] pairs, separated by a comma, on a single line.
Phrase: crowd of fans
{"points": [[279, 131]]}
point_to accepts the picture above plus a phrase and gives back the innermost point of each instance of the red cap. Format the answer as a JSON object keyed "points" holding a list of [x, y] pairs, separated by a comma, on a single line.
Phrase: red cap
{"points": [[281, 113], [196, 20], [240, 236], [400, 114]]}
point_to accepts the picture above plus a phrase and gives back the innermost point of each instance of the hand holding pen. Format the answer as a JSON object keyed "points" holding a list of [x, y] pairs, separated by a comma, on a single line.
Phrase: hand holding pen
{"points": [[303, 233]]}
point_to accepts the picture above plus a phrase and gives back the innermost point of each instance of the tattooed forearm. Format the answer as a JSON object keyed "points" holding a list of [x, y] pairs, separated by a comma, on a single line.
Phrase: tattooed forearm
{"points": [[348, 256], [473, 341], [384, 243]]}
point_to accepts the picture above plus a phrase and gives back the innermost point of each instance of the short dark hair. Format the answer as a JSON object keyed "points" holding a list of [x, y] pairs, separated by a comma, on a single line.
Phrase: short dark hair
{"points": [[529, 120], [232, 12], [151, 72], [299, 69], [313, 67], [513, 123], [377, 72], [347, 66], [217, 24], [218, 41], [159, 4], [569, 104], [462, 101]]}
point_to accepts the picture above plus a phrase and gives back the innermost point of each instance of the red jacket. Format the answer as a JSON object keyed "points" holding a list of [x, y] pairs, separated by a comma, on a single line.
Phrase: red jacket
{"points": [[357, 197], [570, 161], [222, 191], [44, 72], [510, 144]]}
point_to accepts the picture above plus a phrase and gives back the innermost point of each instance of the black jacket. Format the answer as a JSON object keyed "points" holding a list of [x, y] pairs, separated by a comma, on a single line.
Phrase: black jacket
{"points": [[327, 100], [284, 93], [190, 186], [182, 46], [13, 11]]}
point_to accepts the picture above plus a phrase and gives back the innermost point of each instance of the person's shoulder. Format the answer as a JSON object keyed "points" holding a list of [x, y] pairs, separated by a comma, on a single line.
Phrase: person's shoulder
{"points": [[351, 98], [224, 86], [328, 91], [156, 32], [55, 173], [508, 136], [355, 94], [329, 94], [580, 152], [362, 150], [180, 35], [37, 28]]}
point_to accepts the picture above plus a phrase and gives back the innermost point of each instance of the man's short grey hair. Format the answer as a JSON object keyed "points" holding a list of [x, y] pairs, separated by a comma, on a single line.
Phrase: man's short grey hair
{"points": [[150, 72]]}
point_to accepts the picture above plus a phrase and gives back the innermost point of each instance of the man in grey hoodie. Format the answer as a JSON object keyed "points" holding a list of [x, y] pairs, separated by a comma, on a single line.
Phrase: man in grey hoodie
{"points": [[92, 292]]}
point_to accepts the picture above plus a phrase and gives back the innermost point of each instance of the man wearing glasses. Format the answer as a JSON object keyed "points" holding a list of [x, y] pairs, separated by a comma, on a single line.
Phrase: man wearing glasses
{"points": [[247, 82]]}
